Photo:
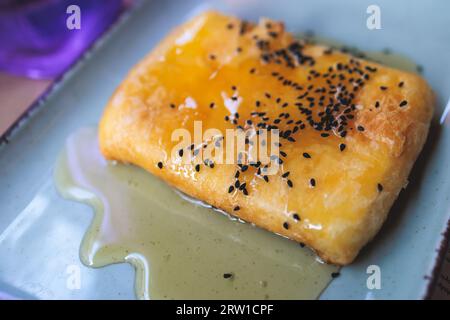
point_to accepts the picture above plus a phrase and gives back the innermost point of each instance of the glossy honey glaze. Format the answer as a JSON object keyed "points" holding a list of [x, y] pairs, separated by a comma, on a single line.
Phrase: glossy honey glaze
{"points": [[180, 248]]}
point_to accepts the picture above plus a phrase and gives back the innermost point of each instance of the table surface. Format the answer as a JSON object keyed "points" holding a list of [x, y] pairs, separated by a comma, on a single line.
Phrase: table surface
{"points": [[16, 95]]}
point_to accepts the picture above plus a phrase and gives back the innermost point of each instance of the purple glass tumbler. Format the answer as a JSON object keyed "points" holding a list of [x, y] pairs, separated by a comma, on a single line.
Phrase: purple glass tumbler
{"points": [[42, 38]]}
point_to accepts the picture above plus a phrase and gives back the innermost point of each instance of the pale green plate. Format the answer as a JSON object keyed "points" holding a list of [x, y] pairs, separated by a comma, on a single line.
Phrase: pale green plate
{"points": [[406, 250]]}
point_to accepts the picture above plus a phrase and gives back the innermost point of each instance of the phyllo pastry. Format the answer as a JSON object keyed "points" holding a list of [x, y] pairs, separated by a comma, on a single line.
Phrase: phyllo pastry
{"points": [[347, 131]]}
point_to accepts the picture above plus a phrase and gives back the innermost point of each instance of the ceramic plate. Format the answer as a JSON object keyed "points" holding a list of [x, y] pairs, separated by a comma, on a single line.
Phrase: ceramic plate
{"points": [[34, 263]]}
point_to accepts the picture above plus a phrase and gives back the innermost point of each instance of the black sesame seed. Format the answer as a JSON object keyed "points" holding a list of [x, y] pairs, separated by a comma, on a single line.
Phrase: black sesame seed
{"points": [[383, 88], [312, 182], [342, 147], [237, 208], [335, 275], [290, 184], [306, 155], [296, 217], [403, 103], [360, 128], [380, 187], [400, 84], [377, 104], [230, 189], [160, 165], [197, 167], [286, 225], [266, 178], [227, 275], [180, 152], [286, 174], [302, 244], [172, 106]]}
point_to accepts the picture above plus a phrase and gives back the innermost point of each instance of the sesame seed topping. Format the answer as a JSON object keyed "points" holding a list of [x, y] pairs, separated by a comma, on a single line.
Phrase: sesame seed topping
{"points": [[236, 208], [380, 187], [403, 103], [296, 217], [326, 106], [286, 225], [160, 165]]}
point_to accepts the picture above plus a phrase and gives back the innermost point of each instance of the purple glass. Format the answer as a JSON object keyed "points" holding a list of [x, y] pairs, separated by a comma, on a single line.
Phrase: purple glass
{"points": [[35, 40]]}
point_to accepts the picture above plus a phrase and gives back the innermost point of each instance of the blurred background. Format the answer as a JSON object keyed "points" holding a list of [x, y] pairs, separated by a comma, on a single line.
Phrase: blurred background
{"points": [[40, 40]]}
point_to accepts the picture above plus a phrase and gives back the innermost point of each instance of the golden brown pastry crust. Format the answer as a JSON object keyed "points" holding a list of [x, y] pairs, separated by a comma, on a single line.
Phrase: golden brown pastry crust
{"points": [[204, 58]]}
